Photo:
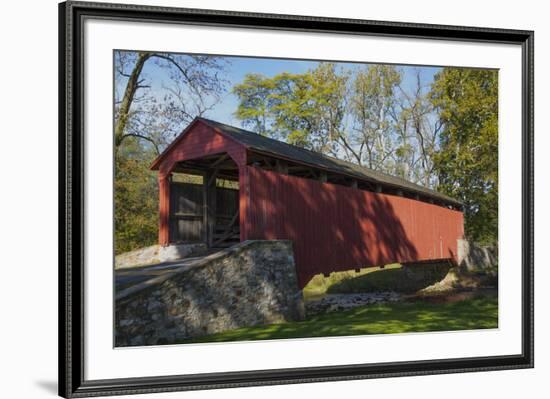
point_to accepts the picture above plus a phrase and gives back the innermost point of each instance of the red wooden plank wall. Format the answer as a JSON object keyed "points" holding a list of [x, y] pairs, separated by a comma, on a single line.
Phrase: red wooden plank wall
{"points": [[340, 228], [200, 141]]}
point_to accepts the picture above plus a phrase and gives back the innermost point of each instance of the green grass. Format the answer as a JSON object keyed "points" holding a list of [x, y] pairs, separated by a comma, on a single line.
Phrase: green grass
{"points": [[403, 317]]}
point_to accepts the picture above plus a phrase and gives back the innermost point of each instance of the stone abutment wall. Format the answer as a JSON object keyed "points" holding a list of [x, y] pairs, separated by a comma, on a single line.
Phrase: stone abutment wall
{"points": [[477, 258], [251, 283]]}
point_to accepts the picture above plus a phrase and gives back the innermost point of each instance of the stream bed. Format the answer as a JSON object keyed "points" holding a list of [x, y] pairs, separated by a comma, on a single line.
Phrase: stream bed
{"points": [[340, 302]]}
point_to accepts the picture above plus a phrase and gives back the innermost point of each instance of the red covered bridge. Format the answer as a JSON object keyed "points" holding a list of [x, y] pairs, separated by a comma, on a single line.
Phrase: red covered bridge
{"points": [[339, 215]]}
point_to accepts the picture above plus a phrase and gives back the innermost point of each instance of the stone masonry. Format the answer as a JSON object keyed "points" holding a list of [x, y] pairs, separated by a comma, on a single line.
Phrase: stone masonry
{"points": [[474, 257], [248, 284]]}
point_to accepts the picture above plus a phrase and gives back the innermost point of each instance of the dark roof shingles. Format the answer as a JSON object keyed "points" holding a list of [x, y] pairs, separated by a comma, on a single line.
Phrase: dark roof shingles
{"points": [[278, 148]]}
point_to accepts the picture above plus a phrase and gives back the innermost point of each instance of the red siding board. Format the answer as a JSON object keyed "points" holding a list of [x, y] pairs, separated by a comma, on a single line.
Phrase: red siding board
{"points": [[164, 210], [198, 142], [340, 228]]}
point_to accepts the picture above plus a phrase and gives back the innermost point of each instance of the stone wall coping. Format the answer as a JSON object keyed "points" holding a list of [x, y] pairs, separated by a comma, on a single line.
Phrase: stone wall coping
{"points": [[155, 281]]}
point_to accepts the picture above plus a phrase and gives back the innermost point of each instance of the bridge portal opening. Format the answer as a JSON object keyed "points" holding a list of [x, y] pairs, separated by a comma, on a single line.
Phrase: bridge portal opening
{"points": [[204, 202]]}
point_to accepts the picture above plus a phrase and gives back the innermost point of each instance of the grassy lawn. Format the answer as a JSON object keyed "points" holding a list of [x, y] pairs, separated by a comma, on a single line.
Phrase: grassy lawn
{"points": [[419, 316]]}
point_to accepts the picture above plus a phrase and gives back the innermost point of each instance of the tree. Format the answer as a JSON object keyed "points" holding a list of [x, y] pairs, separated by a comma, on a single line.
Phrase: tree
{"points": [[363, 115], [417, 128], [309, 108], [254, 109], [193, 87], [373, 98], [133, 84], [135, 198], [467, 162], [306, 109], [149, 111]]}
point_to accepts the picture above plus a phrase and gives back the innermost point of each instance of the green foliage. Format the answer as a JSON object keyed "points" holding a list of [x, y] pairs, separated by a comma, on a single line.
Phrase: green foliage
{"points": [[135, 198], [254, 94], [303, 109], [467, 162]]}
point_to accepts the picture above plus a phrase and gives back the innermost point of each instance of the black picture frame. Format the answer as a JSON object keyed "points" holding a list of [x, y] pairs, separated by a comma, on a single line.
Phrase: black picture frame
{"points": [[71, 196]]}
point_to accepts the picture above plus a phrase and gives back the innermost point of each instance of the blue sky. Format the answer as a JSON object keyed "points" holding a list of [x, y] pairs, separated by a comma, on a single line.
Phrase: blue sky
{"points": [[238, 67]]}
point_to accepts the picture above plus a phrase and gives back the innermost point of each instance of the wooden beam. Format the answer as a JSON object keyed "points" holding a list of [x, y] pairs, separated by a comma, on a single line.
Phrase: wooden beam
{"points": [[366, 185], [335, 177], [262, 161], [281, 166], [205, 232], [228, 231], [219, 160], [311, 173], [209, 193], [217, 166], [186, 169], [212, 210], [229, 166], [212, 178], [228, 176], [164, 210]]}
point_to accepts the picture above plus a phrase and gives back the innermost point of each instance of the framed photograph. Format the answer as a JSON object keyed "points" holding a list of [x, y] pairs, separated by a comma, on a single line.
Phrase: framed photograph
{"points": [[253, 199]]}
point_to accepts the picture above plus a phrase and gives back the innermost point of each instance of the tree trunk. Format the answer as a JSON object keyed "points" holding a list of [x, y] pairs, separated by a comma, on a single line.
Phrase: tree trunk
{"points": [[131, 87]]}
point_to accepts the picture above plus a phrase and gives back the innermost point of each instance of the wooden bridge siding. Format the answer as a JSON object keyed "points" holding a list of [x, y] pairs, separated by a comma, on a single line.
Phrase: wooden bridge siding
{"points": [[227, 203], [201, 140], [339, 228], [186, 212]]}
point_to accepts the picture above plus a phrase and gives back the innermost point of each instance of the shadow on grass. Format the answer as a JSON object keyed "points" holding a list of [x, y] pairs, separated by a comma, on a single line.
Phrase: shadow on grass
{"points": [[406, 279], [476, 313]]}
